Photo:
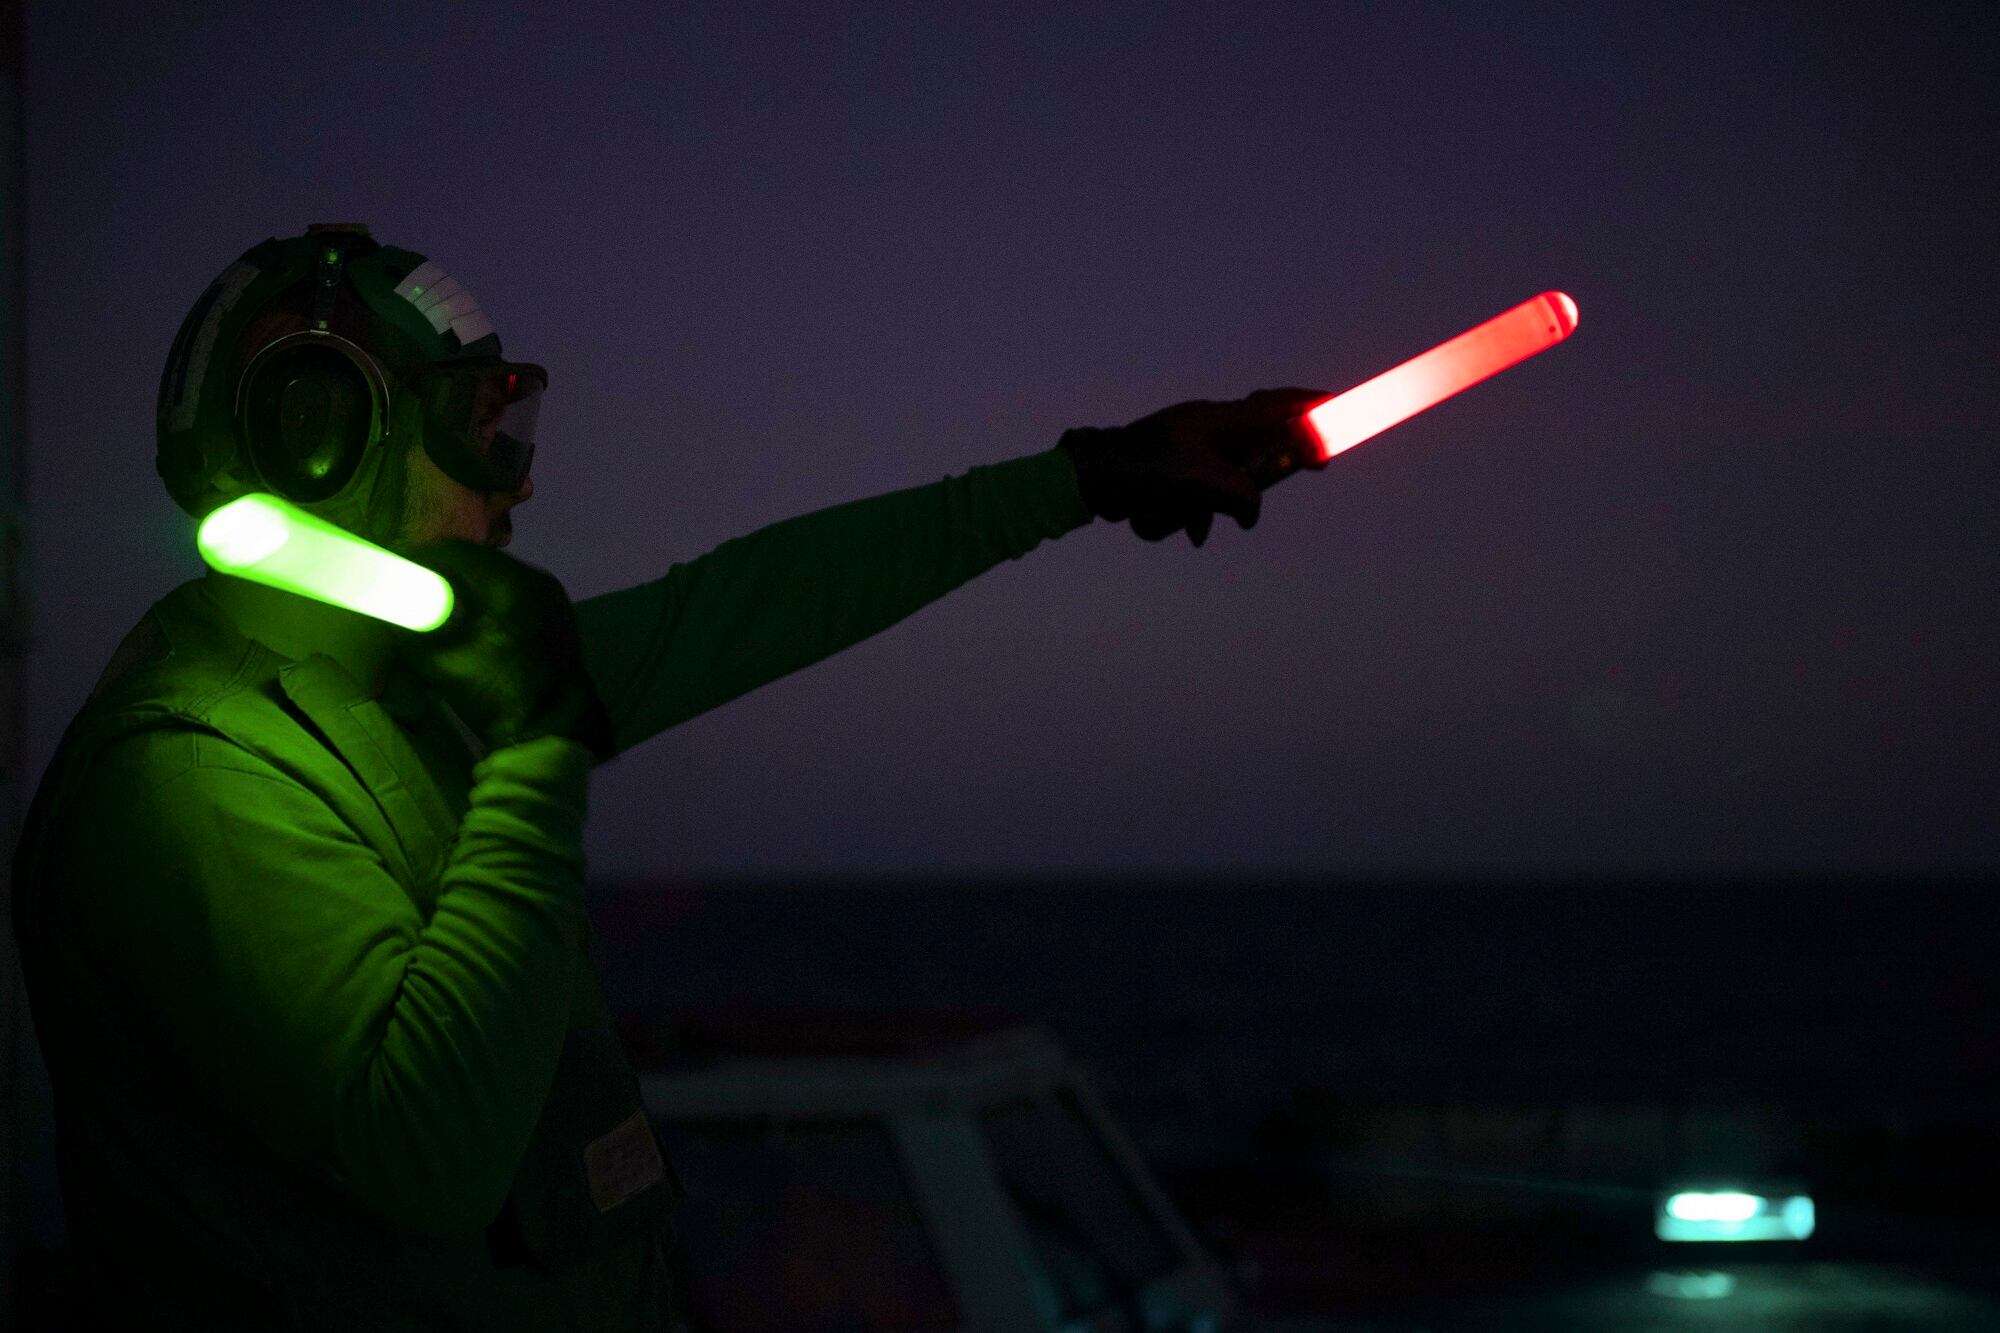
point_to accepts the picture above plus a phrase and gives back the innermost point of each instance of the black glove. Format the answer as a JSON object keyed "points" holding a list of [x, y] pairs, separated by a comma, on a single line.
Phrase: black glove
{"points": [[1184, 464], [510, 659]]}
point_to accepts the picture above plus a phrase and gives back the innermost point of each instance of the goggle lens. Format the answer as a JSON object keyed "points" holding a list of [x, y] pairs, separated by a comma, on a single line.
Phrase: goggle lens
{"points": [[479, 422]]}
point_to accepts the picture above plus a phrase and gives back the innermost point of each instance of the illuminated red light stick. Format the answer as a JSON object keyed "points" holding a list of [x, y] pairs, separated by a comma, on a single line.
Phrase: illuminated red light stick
{"points": [[1425, 380]]}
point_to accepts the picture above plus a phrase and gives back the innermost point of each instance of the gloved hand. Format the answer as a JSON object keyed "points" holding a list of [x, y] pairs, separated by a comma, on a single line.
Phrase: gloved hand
{"points": [[1184, 464], [510, 659]]}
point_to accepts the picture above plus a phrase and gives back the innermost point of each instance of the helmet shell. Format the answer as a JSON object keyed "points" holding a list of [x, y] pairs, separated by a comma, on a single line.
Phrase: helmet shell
{"points": [[393, 304]]}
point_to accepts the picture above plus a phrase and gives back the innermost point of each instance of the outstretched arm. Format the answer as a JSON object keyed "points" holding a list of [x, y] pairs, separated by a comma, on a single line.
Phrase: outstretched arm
{"points": [[761, 606]]}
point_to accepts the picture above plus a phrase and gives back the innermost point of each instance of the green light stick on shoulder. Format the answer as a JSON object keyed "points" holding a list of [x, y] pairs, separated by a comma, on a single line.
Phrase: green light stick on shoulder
{"points": [[268, 540]]}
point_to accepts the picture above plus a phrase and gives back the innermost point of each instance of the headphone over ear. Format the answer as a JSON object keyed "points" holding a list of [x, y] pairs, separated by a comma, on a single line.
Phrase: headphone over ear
{"points": [[311, 404], [310, 407]]}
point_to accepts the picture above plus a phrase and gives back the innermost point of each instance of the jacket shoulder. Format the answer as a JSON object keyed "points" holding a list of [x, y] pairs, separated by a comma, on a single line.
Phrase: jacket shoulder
{"points": [[184, 660], [184, 690]]}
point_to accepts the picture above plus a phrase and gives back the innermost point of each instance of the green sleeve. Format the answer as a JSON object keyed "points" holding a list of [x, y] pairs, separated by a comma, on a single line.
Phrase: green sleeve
{"points": [[762, 606], [239, 923]]}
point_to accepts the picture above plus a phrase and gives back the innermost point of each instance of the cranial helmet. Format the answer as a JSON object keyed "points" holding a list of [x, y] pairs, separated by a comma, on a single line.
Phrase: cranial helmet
{"points": [[313, 358]]}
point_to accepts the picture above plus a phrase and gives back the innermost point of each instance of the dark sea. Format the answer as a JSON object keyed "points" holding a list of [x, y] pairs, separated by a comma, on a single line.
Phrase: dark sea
{"points": [[1219, 1003]]}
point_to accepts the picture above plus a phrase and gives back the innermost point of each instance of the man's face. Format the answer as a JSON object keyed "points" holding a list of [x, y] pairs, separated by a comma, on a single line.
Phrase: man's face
{"points": [[437, 507]]}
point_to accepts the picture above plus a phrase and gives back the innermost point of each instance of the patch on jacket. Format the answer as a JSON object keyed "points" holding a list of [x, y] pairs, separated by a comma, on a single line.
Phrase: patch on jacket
{"points": [[623, 1163]]}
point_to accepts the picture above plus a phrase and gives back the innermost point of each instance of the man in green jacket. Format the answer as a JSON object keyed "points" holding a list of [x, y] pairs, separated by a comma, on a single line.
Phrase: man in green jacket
{"points": [[299, 900]]}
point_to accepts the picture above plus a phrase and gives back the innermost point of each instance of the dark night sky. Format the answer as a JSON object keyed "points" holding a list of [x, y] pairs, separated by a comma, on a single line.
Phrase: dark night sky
{"points": [[1707, 589]]}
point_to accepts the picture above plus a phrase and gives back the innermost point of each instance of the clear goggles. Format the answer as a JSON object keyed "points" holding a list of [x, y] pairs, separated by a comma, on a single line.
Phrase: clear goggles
{"points": [[479, 420]]}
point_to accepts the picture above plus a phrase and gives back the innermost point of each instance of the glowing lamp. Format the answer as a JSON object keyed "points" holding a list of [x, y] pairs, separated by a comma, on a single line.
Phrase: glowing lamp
{"points": [[268, 540], [1720, 1215], [1427, 379]]}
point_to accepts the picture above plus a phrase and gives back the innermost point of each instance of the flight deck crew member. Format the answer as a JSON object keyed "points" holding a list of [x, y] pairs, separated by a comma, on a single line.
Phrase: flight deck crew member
{"points": [[299, 899]]}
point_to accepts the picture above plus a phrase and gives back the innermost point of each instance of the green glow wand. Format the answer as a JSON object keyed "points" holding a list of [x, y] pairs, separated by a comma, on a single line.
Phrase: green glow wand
{"points": [[268, 540]]}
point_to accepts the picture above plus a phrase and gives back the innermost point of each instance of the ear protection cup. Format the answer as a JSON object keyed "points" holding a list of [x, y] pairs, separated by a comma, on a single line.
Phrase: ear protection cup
{"points": [[308, 409]]}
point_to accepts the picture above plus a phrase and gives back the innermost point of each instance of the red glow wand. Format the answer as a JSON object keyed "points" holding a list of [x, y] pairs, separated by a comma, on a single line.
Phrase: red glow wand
{"points": [[1425, 380]]}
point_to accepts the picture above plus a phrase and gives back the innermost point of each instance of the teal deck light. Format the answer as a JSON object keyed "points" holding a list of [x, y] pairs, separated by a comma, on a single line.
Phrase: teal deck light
{"points": [[1713, 1215], [268, 540]]}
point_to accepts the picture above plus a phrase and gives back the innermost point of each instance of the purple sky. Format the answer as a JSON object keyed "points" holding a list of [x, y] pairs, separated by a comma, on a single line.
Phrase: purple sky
{"points": [[1708, 589]]}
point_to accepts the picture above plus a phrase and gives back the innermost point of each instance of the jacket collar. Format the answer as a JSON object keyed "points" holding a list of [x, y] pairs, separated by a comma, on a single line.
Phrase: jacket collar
{"points": [[377, 748], [296, 627]]}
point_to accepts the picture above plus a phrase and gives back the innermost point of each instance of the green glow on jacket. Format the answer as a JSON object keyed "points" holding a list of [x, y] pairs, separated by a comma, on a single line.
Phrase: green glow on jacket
{"points": [[312, 976]]}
